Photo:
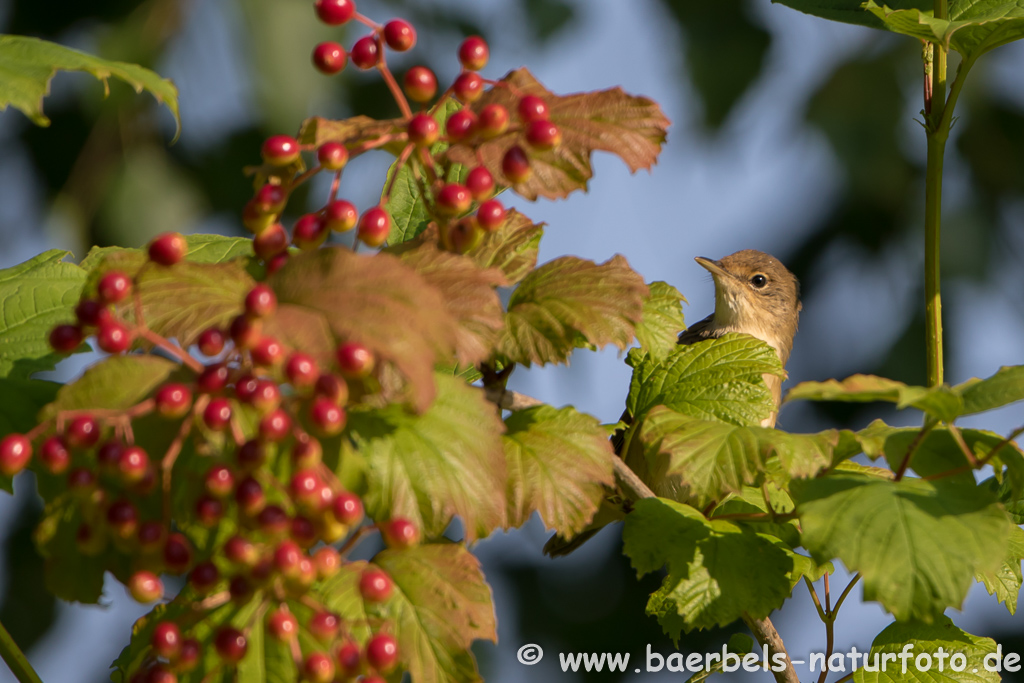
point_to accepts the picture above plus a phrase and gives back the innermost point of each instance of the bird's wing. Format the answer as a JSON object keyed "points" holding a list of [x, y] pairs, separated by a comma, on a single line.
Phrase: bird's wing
{"points": [[698, 331]]}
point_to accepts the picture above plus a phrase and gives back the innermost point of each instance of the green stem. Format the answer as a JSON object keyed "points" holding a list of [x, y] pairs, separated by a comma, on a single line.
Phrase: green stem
{"points": [[15, 659]]}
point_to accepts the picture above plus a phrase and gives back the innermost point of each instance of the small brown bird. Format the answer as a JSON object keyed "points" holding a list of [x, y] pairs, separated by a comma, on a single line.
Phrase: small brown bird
{"points": [[754, 294]]}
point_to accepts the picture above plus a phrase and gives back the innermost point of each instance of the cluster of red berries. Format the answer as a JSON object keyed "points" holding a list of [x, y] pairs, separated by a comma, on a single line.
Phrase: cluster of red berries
{"points": [[285, 532]]}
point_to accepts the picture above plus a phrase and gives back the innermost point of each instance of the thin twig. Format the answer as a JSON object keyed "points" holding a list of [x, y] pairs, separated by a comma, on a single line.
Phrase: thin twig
{"points": [[814, 597], [842, 597], [925, 430], [959, 438]]}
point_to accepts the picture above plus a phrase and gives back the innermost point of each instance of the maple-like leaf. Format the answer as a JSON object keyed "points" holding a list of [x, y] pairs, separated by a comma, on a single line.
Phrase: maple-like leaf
{"points": [[633, 128]]}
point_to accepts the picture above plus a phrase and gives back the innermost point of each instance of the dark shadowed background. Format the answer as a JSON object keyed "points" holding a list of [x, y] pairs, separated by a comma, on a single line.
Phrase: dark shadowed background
{"points": [[790, 134]]}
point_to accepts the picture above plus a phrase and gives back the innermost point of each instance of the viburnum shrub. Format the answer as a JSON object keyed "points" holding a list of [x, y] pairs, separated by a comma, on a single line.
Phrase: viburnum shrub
{"points": [[266, 404]]}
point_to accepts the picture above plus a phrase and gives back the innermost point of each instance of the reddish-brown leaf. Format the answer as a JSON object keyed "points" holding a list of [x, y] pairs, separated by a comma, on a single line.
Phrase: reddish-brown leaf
{"points": [[633, 128], [377, 301], [351, 132]]}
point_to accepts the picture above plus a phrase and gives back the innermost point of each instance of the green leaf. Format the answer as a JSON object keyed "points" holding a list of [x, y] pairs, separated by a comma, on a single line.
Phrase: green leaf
{"points": [[662, 320], [20, 402], [918, 543], [718, 379], [559, 462], [1002, 388], [1004, 583], [114, 383], [375, 300], [69, 573], [709, 580], [448, 461], [34, 297], [470, 297], [28, 64], [927, 638], [440, 606], [633, 128], [512, 248], [571, 302], [942, 402], [341, 595], [701, 461]]}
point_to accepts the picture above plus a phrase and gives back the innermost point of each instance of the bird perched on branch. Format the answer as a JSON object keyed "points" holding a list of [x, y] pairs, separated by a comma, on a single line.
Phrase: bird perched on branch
{"points": [[754, 294]]}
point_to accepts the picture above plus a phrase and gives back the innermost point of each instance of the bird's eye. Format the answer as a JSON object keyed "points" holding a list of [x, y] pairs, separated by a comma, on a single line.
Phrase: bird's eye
{"points": [[759, 281]]}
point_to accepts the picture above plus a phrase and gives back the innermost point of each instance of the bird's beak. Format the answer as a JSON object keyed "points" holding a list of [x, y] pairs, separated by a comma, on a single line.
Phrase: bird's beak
{"points": [[713, 267]]}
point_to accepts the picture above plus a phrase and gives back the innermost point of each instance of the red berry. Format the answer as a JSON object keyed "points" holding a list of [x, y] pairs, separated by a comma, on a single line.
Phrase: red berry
{"points": [[151, 535], [273, 521], [473, 53], [113, 337], [213, 378], [177, 553], [286, 558], [91, 312], [240, 589], [166, 640], [382, 652], [168, 248], [464, 235], [306, 452], [453, 200], [333, 156], [309, 232], [159, 673], [282, 626], [276, 263], [340, 216], [249, 496], [532, 108], [209, 511], [54, 455], [81, 480], [420, 84], [260, 301], [324, 626], [219, 481], [254, 218], [83, 432], [423, 130], [399, 35], [245, 331], [217, 415], [374, 226], [327, 417], [400, 533], [461, 125], [354, 359], [251, 455], [231, 644], [301, 370], [211, 341], [318, 668], [280, 150], [65, 338], [270, 198], [145, 586], [173, 400], [348, 508], [108, 456], [15, 452], [204, 576], [480, 183], [267, 352], [133, 465], [468, 87], [493, 120], [123, 518], [375, 585], [332, 387], [491, 215], [329, 57], [365, 52], [113, 287], [304, 532], [241, 551], [266, 396], [543, 135], [335, 12], [516, 165], [276, 426], [305, 490], [349, 659], [245, 388], [189, 657], [270, 242], [327, 562]]}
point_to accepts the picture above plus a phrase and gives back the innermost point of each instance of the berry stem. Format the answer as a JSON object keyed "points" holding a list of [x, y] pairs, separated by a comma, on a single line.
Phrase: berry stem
{"points": [[167, 462], [389, 78], [179, 353], [15, 659], [367, 21], [305, 176], [354, 539], [335, 184]]}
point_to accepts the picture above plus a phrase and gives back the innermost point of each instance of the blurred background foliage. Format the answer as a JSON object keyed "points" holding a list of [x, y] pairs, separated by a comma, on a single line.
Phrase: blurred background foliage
{"points": [[104, 174]]}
